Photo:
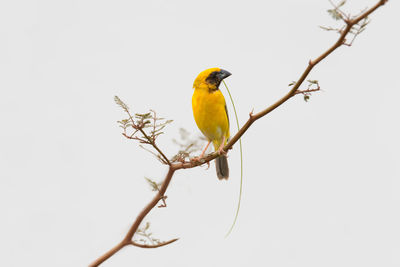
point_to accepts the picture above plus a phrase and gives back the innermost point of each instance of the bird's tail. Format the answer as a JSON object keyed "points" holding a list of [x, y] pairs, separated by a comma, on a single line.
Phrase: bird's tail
{"points": [[221, 163]]}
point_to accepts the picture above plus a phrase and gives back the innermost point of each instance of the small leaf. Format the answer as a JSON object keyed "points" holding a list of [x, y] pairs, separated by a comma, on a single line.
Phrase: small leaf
{"points": [[313, 81], [335, 14], [154, 186], [342, 3], [306, 98], [328, 28], [143, 116]]}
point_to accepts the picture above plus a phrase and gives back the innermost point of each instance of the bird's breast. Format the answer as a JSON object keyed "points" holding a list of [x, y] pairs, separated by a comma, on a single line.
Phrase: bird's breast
{"points": [[210, 114]]}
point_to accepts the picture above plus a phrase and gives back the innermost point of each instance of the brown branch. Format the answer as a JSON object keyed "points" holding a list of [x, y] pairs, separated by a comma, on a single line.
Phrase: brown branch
{"points": [[128, 237], [164, 204], [252, 118]]}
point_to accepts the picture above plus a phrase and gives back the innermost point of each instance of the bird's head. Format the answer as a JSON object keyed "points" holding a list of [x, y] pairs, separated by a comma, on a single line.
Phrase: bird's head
{"points": [[210, 79]]}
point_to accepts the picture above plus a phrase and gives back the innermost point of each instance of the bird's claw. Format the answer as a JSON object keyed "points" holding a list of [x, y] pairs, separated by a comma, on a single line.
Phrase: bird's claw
{"points": [[208, 165], [221, 151], [200, 160], [197, 159]]}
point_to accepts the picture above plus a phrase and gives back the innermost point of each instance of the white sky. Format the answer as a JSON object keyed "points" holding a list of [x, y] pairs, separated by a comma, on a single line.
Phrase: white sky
{"points": [[322, 179]]}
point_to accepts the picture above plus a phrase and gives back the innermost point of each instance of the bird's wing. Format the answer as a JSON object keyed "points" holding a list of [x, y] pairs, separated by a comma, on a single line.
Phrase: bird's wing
{"points": [[227, 116]]}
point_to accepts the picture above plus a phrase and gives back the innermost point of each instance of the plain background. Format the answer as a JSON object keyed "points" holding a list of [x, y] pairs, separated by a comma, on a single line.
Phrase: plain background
{"points": [[321, 179]]}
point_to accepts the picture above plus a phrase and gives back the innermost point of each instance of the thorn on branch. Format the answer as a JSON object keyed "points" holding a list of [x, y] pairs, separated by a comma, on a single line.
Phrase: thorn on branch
{"points": [[164, 204], [251, 113]]}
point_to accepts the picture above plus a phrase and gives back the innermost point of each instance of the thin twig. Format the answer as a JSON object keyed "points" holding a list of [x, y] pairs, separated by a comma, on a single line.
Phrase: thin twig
{"points": [[307, 91], [155, 146], [152, 142], [155, 245]]}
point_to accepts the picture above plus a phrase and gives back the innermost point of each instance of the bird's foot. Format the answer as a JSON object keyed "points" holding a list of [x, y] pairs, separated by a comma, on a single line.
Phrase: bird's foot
{"points": [[221, 150], [197, 159], [200, 159]]}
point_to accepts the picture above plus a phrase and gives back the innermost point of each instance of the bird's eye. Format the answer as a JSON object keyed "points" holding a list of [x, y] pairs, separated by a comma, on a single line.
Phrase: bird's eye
{"points": [[212, 78]]}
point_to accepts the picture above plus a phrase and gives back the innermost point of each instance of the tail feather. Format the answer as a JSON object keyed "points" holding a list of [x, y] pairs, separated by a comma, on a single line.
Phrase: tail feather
{"points": [[221, 163]]}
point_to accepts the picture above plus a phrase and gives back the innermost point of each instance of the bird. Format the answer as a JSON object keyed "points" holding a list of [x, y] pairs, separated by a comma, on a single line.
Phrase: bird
{"points": [[211, 115]]}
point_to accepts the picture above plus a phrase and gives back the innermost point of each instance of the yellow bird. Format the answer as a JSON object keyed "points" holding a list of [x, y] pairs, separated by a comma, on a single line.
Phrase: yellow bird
{"points": [[211, 115]]}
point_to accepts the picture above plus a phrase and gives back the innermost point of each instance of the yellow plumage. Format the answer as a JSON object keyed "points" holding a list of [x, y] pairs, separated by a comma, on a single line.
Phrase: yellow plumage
{"points": [[210, 113]]}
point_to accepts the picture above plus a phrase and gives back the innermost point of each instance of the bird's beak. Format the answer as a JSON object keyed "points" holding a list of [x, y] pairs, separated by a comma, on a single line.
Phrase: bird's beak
{"points": [[222, 74]]}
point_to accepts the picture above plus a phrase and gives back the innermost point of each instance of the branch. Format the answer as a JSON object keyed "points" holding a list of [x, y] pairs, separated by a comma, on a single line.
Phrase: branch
{"points": [[311, 64], [350, 22], [128, 237]]}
